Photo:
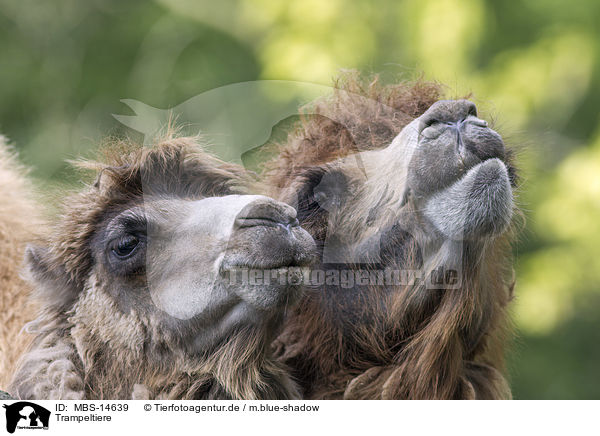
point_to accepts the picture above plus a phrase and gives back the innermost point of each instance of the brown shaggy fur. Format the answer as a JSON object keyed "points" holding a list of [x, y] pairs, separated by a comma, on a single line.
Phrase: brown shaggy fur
{"points": [[18, 225], [131, 355], [397, 346], [361, 115]]}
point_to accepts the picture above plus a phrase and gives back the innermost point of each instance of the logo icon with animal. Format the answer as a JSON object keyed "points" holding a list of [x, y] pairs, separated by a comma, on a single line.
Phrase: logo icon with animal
{"points": [[24, 414]]}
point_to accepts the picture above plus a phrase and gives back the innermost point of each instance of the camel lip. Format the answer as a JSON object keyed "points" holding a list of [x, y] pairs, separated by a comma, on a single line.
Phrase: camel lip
{"points": [[484, 165], [466, 170], [474, 167], [299, 260], [265, 222], [274, 267], [486, 161]]}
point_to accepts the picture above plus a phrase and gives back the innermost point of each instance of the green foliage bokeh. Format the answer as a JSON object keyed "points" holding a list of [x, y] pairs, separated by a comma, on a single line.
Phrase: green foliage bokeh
{"points": [[534, 67]]}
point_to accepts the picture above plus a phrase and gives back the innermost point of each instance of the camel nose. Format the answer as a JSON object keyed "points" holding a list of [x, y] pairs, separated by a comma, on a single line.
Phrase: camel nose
{"points": [[449, 112], [266, 212], [469, 135]]}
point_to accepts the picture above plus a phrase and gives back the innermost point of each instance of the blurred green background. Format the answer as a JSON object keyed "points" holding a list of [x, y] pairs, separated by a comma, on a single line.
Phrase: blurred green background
{"points": [[532, 66]]}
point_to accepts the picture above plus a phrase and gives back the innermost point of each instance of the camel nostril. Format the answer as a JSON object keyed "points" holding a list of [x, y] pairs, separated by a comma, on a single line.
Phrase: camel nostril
{"points": [[471, 108], [257, 222], [479, 122], [267, 212], [448, 112]]}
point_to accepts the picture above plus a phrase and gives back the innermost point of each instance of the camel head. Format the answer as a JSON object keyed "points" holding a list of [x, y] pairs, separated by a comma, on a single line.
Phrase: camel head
{"points": [[445, 177], [425, 208], [144, 270]]}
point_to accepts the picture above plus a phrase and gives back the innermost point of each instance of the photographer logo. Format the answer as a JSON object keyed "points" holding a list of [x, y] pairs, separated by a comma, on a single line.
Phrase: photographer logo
{"points": [[26, 415]]}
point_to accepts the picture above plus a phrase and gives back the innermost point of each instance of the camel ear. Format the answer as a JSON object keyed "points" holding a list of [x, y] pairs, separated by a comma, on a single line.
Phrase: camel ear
{"points": [[52, 283]]}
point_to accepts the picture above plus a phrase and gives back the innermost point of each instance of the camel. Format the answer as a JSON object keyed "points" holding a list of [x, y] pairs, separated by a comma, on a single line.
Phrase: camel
{"points": [[418, 194], [141, 282], [20, 224]]}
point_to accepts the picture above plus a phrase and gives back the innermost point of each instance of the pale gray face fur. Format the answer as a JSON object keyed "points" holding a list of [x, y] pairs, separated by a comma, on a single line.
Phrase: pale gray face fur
{"points": [[171, 258], [447, 163], [456, 172]]}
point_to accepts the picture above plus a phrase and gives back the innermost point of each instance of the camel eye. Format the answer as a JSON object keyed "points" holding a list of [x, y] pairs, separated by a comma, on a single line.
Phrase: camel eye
{"points": [[125, 247]]}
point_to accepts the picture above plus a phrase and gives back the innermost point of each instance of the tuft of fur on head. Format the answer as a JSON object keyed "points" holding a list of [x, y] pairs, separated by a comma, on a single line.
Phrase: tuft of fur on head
{"points": [[362, 114], [85, 347], [20, 223]]}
